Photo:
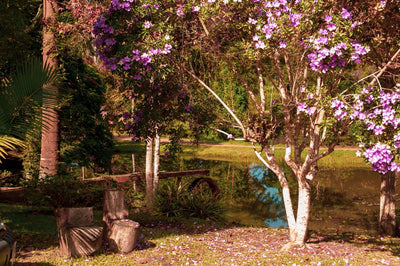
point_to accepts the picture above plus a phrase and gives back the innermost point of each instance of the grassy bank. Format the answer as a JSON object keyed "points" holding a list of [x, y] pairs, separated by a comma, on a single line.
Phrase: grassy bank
{"points": [[243, 152]]}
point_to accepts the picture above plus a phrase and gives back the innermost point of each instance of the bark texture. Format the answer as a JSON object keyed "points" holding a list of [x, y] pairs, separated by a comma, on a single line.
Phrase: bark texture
{"points": [[50, 144], [149, 175], [114, 208], [387, 214]]}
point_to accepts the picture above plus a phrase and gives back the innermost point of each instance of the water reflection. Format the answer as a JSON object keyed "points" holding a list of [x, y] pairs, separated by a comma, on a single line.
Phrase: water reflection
{"points": [[265, 191]]}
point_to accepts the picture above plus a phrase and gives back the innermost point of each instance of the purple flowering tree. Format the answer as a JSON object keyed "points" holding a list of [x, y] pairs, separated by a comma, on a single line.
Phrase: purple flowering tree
{"points": [[289, 56], [133, 41], [375, 111]]}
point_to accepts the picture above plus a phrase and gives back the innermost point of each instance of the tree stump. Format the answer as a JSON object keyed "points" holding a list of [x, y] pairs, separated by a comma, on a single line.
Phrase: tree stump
{"points": [[123, 235], [76, 233], [114, 208]]}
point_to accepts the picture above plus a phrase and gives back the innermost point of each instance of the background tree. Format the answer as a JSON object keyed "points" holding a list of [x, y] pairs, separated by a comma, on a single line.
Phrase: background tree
{"points": [[20, 38]]}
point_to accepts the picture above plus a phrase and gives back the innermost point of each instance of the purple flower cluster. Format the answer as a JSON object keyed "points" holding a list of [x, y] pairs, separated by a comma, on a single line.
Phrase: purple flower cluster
{"points": [[327, 47], [106, 40], [381, 158], [269, 16], [376, 110], [327, 52]]}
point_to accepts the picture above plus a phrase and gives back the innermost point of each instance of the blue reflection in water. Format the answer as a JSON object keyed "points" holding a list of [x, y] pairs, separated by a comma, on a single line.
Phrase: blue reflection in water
{"points": [[263, 178]]}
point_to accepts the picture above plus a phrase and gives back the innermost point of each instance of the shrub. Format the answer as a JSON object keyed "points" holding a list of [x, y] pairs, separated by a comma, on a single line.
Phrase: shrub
{"points": [[63, 191], [199, 203]]}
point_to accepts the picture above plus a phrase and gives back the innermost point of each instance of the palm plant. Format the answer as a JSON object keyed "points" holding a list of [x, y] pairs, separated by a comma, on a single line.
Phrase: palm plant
{"points": [[21, 102]]}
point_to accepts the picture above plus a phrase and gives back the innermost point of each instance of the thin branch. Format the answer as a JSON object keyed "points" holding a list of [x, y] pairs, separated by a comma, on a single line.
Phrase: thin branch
{"points": [[261, 85], [215, 95], [385, 67]]}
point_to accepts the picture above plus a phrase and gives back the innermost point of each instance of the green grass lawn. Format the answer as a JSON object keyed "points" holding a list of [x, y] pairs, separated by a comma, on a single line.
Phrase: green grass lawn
{"points": [[172, 241]]}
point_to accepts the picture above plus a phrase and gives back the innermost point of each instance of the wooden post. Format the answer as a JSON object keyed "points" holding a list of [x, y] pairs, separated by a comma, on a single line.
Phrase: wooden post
{"points": [[133, 171]]}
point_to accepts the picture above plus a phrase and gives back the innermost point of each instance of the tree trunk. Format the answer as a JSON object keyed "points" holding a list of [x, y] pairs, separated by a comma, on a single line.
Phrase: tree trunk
{"points": [[298, 236], [298, 227], [149, 174], [114, 208], [387, 214], [156, 163], [49, 156]]}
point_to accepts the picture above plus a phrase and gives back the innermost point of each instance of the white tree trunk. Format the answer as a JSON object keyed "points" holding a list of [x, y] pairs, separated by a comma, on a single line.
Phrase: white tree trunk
{"points": [[149, 174], [298, 236], [387, 214], [156, 162]]}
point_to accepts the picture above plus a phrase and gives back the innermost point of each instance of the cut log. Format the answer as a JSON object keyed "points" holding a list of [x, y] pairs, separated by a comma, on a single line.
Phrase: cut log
{"points": [[80, 241], [114, 208], [76, 233], [123, 237]]}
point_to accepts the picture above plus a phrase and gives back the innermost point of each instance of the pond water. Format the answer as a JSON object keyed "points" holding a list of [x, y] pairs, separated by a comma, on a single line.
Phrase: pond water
{"points": [[343, 199]]}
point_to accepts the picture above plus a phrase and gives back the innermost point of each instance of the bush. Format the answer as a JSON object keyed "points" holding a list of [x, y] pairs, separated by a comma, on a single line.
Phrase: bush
{"points": [[200, 203], [63, 191]]}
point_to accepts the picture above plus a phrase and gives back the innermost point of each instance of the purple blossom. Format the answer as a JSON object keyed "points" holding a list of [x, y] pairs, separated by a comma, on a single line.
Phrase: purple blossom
{"points": [[167, 48], [282, 44], [302, 107], [188, 107], [328, 18], [128, 125], [337, 104], [380, 157], [126, 115], [355, 24], [179, 11], [365, 90], [331, 26], [145, 59], [346, 14], [138, 116], [252, 21], [323, 32], [340, 114], [295, 19], [147, 24], [260, 45], [310, 110], [355, 58], [369, 98], [378, 130]]}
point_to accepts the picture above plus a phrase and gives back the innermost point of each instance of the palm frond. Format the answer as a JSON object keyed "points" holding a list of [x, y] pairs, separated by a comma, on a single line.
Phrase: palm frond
{"points": [[9, 143], [22, 98]]}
